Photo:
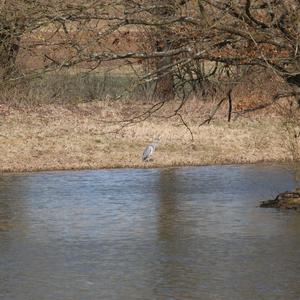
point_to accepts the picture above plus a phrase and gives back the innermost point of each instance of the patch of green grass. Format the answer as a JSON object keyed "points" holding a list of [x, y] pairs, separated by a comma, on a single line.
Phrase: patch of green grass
{"points": [[72, 88], [81, 87]]}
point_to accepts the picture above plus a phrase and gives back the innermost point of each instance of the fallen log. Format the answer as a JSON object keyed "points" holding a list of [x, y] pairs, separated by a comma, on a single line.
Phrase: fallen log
{"points": [[286, 200]]}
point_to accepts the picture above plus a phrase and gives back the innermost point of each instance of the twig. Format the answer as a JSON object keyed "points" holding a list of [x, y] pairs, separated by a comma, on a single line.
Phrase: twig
{"points": [[229, 104], [212, 114]]}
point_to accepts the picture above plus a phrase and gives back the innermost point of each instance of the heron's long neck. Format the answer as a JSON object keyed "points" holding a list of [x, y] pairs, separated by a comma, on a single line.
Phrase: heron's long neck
{"points": [[154, 144]]}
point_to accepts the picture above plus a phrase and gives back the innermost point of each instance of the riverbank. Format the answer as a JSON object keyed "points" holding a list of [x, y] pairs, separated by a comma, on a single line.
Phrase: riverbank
{"points": [[55, 137]]}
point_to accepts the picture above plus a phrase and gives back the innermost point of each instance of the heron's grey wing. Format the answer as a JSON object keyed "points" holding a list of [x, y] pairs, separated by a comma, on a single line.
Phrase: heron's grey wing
{"points": [[148, 151]]}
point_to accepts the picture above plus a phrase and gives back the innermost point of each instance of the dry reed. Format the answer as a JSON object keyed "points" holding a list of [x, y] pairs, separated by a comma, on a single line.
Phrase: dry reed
{"points": [[55, 137]]}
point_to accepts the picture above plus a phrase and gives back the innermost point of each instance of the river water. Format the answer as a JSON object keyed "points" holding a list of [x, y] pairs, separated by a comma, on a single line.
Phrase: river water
{"points": [[186, 233]]}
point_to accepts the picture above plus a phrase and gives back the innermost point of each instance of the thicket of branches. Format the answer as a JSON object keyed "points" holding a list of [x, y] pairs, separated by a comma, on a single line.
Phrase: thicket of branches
{"points": [[183, 46]]}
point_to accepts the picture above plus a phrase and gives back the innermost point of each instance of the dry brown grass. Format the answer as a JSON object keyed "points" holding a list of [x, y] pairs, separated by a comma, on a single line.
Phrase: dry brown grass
{"points": [[53, 137]]}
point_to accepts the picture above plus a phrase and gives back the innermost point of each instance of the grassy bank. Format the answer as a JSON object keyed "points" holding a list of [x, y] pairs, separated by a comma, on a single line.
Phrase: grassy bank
{"points": [[54, 137]]}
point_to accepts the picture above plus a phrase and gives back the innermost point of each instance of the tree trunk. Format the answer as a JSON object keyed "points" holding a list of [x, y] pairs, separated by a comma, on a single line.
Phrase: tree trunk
{"points": [[163, 41], [9, 49], [12, 25]]}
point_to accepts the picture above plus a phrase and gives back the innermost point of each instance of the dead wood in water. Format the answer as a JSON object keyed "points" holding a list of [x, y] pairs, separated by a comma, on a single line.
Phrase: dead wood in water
{"points": [[287, 200]]}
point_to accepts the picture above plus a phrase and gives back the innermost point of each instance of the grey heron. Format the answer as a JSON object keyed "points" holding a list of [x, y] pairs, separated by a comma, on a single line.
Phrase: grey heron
{"points": [[149, 150]]}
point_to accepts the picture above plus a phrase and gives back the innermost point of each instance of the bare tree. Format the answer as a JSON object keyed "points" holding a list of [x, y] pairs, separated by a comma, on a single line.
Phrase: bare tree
{"points": [[194, 41], [258, 33]]}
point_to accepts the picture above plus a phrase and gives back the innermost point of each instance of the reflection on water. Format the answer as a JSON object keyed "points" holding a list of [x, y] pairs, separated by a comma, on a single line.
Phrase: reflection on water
{"points": [[189, 233]]}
